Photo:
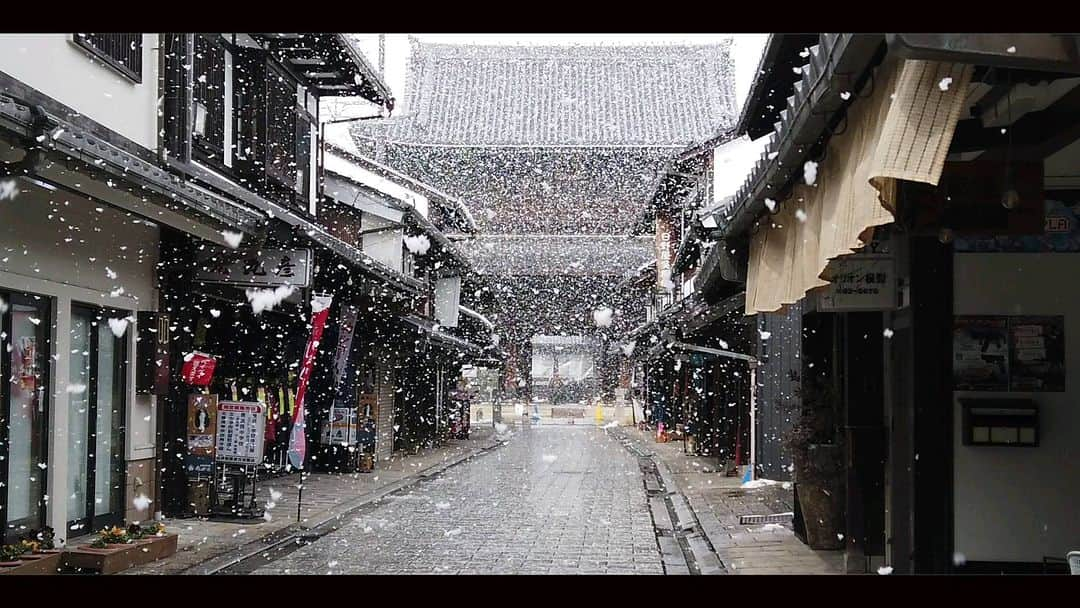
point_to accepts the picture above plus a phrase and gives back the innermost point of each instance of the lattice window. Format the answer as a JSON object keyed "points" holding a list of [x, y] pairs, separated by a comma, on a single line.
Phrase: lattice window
{"points": [[122, 52], [208, 96]]}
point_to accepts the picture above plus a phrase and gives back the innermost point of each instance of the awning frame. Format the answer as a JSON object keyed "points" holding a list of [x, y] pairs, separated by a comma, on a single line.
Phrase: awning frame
{"points": [[683, 346]]}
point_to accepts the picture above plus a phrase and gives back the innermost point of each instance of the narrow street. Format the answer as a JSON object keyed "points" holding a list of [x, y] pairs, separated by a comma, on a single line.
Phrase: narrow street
{"points": [[559, 303], [555, 499]]}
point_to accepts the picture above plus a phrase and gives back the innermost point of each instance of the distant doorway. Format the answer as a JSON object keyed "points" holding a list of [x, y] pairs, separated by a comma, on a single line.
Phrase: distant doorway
{"points": [[563, 369]]}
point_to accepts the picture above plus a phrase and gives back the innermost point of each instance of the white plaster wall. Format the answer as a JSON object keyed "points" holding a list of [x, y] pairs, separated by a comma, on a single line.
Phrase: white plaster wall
{"points": [[58, 245], [56, 66], [1020, 504], [67, 239]]}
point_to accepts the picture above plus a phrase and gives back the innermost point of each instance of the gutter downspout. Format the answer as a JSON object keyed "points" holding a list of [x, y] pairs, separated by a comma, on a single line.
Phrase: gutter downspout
{"points": [[753, 422]]}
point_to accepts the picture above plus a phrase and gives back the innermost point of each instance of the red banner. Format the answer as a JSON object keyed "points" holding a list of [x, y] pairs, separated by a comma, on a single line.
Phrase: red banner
{"points": [[198, 369], [320, 309]]}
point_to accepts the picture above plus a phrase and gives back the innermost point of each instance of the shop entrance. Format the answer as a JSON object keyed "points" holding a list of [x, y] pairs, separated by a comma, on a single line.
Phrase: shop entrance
{"points": [[24, 413], [96, 419]]}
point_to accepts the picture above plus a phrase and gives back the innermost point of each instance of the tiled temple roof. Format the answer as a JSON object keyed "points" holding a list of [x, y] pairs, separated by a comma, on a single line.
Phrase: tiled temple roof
{"points": [[604, 96]]}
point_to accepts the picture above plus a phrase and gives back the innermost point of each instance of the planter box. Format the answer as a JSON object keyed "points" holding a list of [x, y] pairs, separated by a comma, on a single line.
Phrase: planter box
{"points": [[117, 558], [35, 563]]}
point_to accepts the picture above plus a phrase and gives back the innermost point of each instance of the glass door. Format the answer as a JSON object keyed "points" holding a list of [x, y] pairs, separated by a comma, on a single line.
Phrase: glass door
{"points": [[96, 403], [24, 323]]}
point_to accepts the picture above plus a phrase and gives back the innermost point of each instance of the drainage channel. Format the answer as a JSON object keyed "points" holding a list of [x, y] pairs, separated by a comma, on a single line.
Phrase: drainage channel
{"points": [[684, 549], [281, 546]]}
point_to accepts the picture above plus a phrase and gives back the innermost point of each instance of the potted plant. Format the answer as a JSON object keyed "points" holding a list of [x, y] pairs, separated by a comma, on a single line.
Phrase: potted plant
{"points": [[147, 533], [46, 539], [27, 557], [817, 454], [113, 550], [11, 555], [111, 536]]}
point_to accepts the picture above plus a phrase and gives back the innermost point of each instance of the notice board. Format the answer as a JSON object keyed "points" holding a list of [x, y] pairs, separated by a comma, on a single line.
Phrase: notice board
{"points": [[240, 432]]}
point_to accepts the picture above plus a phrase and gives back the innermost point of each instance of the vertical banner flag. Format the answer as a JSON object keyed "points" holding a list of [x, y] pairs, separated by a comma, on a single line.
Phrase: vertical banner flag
{"points": [[320, 309], [345, 340]]}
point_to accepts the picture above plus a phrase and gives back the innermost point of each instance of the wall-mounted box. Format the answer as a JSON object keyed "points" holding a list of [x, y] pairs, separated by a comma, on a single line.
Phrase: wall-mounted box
{"points": [[1000, 422]]}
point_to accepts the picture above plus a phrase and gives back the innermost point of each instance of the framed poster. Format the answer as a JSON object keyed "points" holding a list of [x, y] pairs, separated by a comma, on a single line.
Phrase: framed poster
{"points": [[981, 354], [340, 429], [201, 428], [240, 432], [1037, 353]]}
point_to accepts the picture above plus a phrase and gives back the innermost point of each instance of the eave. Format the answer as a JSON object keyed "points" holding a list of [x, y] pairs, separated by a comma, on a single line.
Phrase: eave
{"points": [[452, 205], [411, 216], [773, 83], [837, 65], [329, 64]]}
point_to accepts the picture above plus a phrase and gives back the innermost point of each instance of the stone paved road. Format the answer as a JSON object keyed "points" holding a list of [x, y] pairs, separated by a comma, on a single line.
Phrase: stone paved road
{"points": [[555, 500]]}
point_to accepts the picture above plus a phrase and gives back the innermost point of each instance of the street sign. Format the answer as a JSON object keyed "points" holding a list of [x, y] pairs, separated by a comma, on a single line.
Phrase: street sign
{"points": [[255, 268], [240, 432], [860, 282]]}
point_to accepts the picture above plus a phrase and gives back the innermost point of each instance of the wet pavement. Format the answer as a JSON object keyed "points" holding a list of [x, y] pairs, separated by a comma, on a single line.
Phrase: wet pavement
{"points": [[554, 500]]}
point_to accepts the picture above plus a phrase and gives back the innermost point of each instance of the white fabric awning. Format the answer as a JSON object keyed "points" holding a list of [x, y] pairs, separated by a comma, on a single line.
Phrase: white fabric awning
{"points": [[901, 130]]}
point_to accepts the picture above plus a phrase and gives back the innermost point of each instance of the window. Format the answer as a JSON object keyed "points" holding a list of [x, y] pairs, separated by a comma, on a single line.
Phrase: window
{"points": [[290, 131], [208, 129], [281, 127], [122, 52], [24, 414], [96, 467]]}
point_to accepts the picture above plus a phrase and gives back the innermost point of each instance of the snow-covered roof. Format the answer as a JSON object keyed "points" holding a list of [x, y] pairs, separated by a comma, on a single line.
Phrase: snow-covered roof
{"points": [[617, 96], [548, 255]]}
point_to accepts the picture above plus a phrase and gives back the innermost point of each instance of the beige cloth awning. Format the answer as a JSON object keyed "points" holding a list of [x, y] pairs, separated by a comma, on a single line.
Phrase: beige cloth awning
{"points": [[901, 129]]}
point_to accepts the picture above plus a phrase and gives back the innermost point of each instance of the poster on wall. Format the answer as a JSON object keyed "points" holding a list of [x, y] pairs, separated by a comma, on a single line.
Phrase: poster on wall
{"points": [[340, 429], [201, 429], [1037, 354], [240, 432], [980, 354]]}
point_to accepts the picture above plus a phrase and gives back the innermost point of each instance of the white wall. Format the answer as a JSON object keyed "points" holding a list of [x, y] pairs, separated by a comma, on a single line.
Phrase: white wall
{"points": [[48, 236], [386, 246], [61, 237], [56, 66], [1020, 504]]}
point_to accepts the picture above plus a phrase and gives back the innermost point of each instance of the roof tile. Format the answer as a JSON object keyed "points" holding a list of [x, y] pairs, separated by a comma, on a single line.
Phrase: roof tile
{"points": [[668, 95]]}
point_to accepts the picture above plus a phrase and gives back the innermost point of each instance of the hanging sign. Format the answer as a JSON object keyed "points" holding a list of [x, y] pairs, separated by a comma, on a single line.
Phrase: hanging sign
{"points": [[198, 369], [201, 429], [241, 432], [665, 245], [860, 282], [320, 309], [255, 268]]}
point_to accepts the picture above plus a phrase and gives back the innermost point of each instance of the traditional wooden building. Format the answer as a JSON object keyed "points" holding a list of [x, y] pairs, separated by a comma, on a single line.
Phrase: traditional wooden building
{"points": [[558, 150], [903, 240], [133, 156]]}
